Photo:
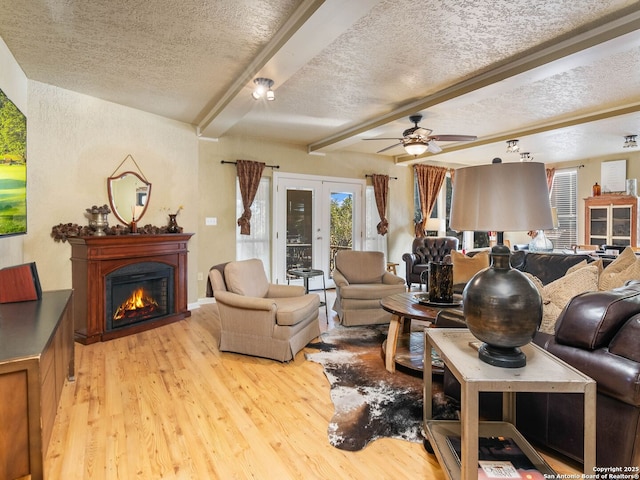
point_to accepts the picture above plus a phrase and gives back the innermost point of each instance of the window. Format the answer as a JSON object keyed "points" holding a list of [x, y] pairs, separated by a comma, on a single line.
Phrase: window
{"points": [[564, 199], [256, 245]]}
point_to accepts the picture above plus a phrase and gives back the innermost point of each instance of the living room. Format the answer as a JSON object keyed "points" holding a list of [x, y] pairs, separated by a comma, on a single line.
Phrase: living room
{"points": [[77, 140]]}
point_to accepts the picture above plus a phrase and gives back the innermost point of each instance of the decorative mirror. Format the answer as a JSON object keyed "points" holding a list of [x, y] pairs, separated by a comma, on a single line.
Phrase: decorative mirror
{"points": [[129, 193]]}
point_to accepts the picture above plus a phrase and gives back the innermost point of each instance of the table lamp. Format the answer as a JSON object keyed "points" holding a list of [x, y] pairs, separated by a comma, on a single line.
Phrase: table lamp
{"points": [[435, 225], [502, 307]]}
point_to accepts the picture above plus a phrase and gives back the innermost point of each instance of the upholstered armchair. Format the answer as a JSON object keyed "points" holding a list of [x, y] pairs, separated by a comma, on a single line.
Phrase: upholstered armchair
{"points": [[425, 250], [361, 281], [261, 318]]}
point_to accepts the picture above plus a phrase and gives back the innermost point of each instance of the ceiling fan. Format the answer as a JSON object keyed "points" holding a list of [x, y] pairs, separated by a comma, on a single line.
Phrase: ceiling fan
{"points": [[417, 140]]}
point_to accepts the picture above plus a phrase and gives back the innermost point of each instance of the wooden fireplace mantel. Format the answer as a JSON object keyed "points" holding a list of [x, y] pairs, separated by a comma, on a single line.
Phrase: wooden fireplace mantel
{"points": [[93, 258]]}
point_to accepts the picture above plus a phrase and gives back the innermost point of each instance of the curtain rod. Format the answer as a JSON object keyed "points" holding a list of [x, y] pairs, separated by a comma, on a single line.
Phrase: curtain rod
{"points": [[235, 163], [371, 176]]}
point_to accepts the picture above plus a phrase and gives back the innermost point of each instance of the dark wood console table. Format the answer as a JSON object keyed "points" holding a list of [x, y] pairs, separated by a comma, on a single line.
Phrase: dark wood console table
{"points": [[36, 355], [93, 258]]}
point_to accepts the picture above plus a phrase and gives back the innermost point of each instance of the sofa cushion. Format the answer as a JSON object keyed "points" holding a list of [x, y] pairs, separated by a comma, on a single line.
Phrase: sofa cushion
{"points": [[292, 310], [465, 267], [557, 294], [550, 266], [370, 291], [590, 320], [617, 273], [246, 277]]}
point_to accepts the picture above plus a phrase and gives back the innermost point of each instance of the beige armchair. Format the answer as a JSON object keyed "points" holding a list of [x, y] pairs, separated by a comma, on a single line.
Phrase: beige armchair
{"points": [[260, 318], [361, 282]]}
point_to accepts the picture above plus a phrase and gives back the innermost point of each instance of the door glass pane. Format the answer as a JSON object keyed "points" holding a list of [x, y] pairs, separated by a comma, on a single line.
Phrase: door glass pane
{"points": [[341, 224], [299, 228]]}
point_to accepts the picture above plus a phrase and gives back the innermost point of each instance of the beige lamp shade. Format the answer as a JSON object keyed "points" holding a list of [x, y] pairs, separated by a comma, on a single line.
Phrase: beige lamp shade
{"points": [[502, 197], [435, 225]]}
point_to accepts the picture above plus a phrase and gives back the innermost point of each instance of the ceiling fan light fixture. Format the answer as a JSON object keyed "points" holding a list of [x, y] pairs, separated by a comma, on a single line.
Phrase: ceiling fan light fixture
{"points": [[512, 146], [415, 147], [630, 141], [263, 87]]}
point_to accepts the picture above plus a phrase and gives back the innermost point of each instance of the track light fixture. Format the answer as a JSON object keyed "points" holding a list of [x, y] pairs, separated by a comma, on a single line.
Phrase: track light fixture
{"points": [[263, 89], [512, 146], [630, 141], [526, 157]]}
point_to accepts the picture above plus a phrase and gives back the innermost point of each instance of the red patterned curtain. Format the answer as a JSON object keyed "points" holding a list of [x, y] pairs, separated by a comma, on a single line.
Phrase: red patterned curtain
{"points": [[430, 180], [381, 191], [249, 174]]}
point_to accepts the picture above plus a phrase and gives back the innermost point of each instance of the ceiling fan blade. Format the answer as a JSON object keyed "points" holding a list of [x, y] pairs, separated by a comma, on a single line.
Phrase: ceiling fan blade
{"points": [[432, 147], [389, 147], [453, 138], [382, 138]]}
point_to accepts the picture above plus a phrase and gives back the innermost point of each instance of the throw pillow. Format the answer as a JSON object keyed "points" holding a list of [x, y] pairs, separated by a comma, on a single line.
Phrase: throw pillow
{"points": [[619, 271], [577, 266], [598, 263], [465, 267], [557, 294]]}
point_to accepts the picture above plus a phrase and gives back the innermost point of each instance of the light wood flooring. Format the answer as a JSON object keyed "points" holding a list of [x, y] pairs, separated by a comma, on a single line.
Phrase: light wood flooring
{"points": [[166, 404]]}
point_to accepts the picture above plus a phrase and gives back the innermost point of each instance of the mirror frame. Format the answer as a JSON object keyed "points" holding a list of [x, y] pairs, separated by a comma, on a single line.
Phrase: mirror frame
{"points": [[112, 202]]}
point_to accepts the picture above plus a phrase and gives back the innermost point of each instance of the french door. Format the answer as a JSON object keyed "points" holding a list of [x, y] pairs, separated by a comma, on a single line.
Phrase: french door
{"points": [[313, 218]]}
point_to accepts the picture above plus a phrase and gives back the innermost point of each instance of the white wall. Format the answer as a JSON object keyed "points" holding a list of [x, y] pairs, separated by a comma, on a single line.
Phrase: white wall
{"points": [[13, 83]]}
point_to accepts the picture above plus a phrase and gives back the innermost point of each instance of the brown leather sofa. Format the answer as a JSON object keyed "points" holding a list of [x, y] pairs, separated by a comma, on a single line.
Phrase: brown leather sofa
{"points": [[423, 251], [599, 334]]}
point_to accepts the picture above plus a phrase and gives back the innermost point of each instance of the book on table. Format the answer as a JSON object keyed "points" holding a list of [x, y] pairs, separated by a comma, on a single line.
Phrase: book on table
{"points": [[498, 457]]}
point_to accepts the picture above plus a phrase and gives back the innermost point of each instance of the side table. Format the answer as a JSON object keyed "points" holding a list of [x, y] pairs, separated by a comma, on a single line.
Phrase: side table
{"points": [[543, 373], [305, 274]]}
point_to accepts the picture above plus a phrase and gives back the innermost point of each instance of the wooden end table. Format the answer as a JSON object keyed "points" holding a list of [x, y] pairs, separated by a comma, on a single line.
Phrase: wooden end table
{"points": [[405, 305], [543, 373]]}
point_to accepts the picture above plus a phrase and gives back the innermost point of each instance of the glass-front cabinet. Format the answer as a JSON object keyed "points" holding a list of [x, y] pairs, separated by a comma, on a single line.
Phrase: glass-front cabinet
{"points": [[611, 220]]}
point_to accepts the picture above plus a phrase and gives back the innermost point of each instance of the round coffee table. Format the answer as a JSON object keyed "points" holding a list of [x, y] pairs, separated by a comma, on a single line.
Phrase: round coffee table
{"points": [[406, 349]]}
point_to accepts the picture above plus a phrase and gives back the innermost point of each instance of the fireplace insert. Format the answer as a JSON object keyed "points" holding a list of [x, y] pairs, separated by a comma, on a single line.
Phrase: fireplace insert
{"points": [[138, 293]]}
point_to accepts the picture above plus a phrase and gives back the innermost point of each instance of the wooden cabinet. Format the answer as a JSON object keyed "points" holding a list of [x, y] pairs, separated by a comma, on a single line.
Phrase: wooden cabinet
{"points": [[611, 220], [36, 355]]}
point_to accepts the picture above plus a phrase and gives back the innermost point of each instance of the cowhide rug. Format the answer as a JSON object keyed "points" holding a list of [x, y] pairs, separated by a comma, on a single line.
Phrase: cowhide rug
{"points": [[369, 401]]}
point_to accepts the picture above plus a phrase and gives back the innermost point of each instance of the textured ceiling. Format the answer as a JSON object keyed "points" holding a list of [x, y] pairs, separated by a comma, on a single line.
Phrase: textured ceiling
{"points": [[560, 75]]}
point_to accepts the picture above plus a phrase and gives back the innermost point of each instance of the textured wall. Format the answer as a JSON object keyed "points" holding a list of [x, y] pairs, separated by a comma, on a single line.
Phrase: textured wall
{"points": [[75, 142]]}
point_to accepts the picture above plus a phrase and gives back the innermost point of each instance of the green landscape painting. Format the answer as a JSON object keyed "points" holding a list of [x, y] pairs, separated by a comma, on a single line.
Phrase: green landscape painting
{"points": [[13, 168]]}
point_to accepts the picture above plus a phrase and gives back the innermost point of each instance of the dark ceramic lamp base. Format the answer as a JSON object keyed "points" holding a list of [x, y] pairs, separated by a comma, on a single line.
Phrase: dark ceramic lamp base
{"points": [[506, 357]]}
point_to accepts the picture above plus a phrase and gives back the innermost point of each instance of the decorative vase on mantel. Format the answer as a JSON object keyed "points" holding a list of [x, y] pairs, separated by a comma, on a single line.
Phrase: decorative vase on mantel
{"points": [[173, 227], [98, 221]]}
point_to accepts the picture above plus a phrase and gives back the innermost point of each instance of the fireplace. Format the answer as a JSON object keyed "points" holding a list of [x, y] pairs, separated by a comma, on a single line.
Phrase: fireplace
{"points": [[126, 284], [138, 293]]}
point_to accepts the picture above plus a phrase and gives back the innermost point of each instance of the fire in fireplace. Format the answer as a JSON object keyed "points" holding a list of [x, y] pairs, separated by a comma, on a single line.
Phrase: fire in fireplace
{"points": [[139, 304], [139, 293]]}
